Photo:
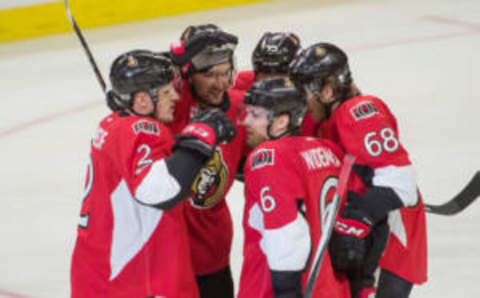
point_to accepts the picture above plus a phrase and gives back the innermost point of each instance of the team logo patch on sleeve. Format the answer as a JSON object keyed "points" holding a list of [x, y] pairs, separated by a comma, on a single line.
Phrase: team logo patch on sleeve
{"points": [[363, 110], [146, 126], [262, 158], [209, 185]]}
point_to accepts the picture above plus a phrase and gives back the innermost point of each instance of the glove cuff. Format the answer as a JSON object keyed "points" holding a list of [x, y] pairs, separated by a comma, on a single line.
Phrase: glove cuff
{"points": [[351, 227], [200, 131]]}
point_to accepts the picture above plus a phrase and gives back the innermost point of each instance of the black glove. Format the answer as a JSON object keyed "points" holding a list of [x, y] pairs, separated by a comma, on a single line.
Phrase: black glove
{"points": [[219, 122], [207, 129], [376, 242], [347, 245]]}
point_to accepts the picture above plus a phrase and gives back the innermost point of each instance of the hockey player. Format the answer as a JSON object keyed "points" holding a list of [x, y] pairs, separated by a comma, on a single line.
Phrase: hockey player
{"points": [[132, 237], [289, 179], [365, 127], [271, 58], [205, 56]]}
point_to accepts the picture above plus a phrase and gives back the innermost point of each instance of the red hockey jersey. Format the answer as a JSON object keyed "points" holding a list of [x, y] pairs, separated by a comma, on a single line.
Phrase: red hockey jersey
{"points": [[278, 236], [124, 247], [365, 128], [208, 218]]}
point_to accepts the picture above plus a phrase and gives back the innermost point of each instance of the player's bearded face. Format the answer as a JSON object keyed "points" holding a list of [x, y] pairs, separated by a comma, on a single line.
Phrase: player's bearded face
{"points": [[256, 123], [212, 84], [167, 98]]}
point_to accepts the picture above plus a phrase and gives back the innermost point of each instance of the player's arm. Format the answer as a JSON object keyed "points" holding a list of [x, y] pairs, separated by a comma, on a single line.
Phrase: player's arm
{"points": [[168, 180], [286, 235], [368, 131], [373, 139]]}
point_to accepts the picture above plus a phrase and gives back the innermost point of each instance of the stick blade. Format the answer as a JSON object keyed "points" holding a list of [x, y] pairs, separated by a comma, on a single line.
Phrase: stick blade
{"points": [[461, 201]]}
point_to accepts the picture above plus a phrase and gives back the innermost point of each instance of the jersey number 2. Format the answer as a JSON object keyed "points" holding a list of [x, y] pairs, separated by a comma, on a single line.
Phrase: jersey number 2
{"points": [[83, 221]]}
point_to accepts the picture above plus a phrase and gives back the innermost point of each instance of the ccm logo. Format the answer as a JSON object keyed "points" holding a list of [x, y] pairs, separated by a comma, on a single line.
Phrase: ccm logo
{"points": [[348, 230]]}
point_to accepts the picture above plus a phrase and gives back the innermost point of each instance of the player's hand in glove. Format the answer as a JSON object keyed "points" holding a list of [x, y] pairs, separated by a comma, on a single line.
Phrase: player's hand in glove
{"points": [[206, 130], [348, 246], [219, 122]]}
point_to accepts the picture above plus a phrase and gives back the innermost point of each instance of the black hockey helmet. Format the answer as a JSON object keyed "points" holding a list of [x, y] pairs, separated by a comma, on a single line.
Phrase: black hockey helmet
{"points": [[139, 70], [274, 52], [278, 96], [202, 47], [312, 66]]}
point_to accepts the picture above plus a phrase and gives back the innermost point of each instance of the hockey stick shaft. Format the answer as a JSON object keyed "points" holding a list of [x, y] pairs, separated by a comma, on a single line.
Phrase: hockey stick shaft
{"points": [[85, 47], [329, 223], [461, 201]]}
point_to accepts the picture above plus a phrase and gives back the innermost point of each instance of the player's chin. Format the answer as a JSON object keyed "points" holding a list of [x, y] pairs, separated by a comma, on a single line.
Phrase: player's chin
{"points": [[215, 100], [254, 140], [167, 118]]}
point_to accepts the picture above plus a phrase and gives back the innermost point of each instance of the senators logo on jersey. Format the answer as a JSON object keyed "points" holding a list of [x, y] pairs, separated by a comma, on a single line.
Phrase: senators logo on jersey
{"points": [[362, 110], [263, 157], [209, 185]]}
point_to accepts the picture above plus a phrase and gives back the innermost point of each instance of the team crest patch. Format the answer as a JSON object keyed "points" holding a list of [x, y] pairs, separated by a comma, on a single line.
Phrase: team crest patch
{"points": [[262, 158], [363, 110], [146, 126], [208, 188]]}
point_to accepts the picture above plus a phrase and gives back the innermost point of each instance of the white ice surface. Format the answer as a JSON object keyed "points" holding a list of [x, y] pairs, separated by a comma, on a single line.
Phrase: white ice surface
{"points": [[421, 57]]}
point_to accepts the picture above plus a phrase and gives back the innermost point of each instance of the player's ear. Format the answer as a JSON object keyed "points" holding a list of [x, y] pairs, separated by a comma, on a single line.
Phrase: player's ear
{"points": [[280, 124]]}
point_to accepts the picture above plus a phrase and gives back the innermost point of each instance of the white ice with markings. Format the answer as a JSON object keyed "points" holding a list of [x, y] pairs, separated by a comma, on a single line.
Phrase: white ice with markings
{"points": [[421, 57]]}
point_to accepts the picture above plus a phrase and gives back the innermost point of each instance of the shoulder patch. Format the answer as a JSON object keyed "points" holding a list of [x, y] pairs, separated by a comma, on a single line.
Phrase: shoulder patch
{"points": [[263, 157], [363, 110], [146, 126]]}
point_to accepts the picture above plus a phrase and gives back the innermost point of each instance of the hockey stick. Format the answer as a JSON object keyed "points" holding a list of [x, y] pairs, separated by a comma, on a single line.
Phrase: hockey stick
{"points": [[79, 34], [461, 201], [348, 162]]}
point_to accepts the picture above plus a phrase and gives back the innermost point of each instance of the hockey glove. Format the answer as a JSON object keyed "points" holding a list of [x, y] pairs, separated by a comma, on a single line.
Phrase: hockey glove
{"points": [[363, 279], [207, 129], [348, 246]]}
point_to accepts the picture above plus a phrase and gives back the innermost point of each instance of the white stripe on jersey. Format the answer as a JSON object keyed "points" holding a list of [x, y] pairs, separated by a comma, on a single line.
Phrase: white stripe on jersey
{"points": [[255, 221], [158, 186], [401, 179], [133, 225], [286, 248], [397, 227]]}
